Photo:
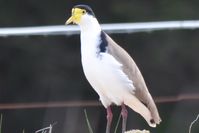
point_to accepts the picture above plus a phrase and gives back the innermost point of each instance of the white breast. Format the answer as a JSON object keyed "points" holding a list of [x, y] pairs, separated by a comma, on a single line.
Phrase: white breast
{"points": [[103, 72]]}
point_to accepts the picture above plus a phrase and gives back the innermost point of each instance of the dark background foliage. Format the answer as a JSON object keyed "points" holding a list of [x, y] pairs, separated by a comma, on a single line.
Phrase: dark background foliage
{"points": [[48, 68]]}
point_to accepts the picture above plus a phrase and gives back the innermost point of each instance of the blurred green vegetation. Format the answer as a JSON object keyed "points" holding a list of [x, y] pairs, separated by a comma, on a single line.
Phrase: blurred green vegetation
{"points": [[48, 68]]}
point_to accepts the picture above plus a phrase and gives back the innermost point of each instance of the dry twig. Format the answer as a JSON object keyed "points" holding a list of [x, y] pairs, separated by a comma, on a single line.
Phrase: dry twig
{"points": [[193, 123]]}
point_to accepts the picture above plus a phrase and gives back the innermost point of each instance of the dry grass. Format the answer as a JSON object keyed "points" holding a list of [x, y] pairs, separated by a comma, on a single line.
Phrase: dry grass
{"points": [[190, 127], [49, 128]]}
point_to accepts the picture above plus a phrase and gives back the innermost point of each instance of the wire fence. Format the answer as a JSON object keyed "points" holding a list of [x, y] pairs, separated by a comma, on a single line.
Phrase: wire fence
{"points": [[162, 99], [109, 28]]}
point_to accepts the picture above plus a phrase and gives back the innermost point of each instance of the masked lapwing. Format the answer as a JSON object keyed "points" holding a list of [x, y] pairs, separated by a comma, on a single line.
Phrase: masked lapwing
{"points": [[111, 71]]}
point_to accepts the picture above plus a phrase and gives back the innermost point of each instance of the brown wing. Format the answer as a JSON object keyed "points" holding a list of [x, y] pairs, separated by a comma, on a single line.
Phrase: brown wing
{"points": [[134, 74]]}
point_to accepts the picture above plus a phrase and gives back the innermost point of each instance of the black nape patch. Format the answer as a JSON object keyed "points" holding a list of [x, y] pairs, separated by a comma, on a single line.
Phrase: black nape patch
{"points": [[103, 44]]}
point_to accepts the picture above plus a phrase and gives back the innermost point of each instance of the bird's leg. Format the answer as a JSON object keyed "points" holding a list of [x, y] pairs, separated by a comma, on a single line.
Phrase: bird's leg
{"points": [[124, 114], [109, 119]]}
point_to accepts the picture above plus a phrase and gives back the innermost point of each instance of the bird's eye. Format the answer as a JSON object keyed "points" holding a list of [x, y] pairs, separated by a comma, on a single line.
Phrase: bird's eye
{"points": [[83, 12]]}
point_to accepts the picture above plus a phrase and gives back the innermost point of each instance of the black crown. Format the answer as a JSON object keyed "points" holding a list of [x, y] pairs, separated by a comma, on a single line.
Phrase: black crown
{"points": [[87, 8]]}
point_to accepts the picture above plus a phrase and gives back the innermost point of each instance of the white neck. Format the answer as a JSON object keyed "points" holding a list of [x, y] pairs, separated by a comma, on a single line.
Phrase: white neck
{"points": [[89, 24], [90, 36]]}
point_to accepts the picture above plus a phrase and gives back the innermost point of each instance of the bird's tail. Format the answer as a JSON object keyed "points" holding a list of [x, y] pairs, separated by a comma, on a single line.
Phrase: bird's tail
{"points": [[153, 109], [140, 108]]}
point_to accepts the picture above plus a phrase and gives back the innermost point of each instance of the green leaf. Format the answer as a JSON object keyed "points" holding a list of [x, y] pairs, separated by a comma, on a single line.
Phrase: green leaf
{"points": [[118, 121], [88, 123], [1, 121]]}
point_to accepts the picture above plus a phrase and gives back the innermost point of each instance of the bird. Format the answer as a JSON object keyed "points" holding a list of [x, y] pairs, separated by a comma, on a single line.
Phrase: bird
{"points": [[111, 71]]}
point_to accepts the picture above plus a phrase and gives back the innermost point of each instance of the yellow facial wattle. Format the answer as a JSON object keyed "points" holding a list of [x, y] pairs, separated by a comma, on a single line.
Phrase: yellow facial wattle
{"points": [[76, 16]]}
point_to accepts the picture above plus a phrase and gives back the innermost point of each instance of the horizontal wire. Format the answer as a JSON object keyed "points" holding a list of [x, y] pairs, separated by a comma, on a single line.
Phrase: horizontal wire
{"points": [[109, 28], [162, 99]]}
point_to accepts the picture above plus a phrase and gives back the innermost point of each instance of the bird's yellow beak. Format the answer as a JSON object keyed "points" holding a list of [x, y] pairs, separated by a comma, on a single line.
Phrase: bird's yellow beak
{"points": [[76, 16]]}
